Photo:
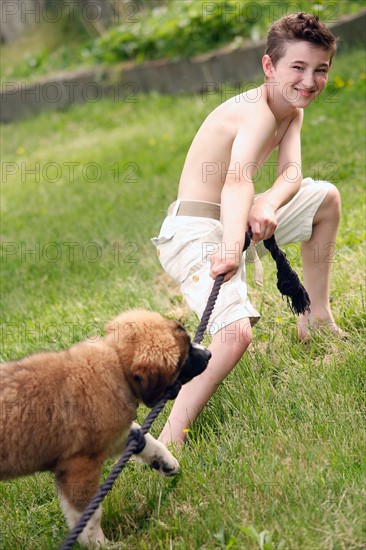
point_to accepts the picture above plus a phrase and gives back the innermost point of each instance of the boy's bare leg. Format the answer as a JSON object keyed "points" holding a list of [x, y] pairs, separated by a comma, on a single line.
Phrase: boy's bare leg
{"points": [[317, 258], [227, 347]]}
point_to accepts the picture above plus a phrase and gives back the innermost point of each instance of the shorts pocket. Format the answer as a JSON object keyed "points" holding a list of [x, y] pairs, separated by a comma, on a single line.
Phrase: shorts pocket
{"points": [[161, 239], [182, 243], [167, 232]]}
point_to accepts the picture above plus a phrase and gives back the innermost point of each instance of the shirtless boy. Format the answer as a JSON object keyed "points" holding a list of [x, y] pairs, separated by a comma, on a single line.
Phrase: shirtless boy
{"points": [[203, 234]]}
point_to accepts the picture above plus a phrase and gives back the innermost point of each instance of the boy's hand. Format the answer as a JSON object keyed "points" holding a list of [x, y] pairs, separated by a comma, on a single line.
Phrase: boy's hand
{"points": [[224, 263], [262, 221]]}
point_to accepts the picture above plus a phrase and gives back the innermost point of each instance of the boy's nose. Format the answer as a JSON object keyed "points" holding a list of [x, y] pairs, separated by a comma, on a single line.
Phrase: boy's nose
{"points": [[308, 80]]}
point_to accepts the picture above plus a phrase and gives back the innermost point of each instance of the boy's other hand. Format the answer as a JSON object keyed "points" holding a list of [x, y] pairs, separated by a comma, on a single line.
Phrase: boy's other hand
{"points": [[227, 264], [262, 221]]}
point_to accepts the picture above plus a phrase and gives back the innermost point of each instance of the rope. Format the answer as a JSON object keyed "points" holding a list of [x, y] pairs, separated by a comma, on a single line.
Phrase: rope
{"points": [[288, 284]]}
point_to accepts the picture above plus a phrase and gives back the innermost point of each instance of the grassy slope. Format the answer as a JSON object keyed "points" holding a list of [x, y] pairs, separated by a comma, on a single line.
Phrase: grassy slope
{"points": [[280, 445]]}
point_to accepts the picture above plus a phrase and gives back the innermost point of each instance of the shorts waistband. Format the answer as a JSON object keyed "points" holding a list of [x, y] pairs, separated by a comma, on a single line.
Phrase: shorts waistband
{"points": [[200, 209]]}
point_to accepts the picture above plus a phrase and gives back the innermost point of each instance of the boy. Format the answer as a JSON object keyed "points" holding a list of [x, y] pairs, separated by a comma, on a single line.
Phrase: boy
{"points": [[203, 234]]}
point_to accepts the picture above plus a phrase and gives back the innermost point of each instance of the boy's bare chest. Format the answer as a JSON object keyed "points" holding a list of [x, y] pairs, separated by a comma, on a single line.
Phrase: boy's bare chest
{"points": [[275, 140]]}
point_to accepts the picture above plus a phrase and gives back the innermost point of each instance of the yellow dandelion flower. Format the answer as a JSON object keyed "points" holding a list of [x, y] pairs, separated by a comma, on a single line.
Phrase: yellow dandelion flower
{"points": [[165, 137], [349, 82], [186, 430], [362, 76], [339, 82], [152, 141], [20, 151]]}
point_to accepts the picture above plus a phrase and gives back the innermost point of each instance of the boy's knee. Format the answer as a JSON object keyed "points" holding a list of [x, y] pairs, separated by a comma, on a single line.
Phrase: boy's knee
{"points": [[333, 199], [330, 208]]}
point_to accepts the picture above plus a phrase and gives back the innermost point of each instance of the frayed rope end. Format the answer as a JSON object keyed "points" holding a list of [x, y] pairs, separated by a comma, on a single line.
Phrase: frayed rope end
{"points": [[300, 302], [288, 282]]}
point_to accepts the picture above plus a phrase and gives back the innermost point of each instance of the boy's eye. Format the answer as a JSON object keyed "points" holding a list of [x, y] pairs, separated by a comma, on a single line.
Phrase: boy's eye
{"points": [[298, 67], [322, 71]]}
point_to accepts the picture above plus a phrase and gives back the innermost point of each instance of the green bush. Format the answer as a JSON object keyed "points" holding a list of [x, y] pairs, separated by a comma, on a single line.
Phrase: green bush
{"points": [[180, 28], [187, 28]]}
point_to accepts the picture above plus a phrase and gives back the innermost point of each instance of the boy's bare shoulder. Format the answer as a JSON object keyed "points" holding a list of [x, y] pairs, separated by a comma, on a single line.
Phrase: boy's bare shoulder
{"points": [[253, 100], [255, 105], [243, 110], [255, 110]]}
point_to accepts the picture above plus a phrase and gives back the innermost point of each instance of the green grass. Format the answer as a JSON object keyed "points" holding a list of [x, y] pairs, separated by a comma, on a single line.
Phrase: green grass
{"points": [[278, 453]]}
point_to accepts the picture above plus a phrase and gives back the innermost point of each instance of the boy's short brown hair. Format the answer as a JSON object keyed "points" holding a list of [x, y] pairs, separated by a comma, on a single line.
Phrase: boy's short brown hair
{"points": [[298, 26]]}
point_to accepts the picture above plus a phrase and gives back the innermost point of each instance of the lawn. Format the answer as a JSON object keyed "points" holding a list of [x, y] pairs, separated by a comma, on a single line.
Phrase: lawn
{"points": [[278, 454]]}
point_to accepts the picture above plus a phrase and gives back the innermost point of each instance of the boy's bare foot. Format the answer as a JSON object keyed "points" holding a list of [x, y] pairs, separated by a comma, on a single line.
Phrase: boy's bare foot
{"points": [[309, 327]]}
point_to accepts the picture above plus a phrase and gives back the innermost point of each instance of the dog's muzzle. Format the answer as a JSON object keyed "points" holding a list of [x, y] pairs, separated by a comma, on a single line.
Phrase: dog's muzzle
{"points": [[196, 362]]}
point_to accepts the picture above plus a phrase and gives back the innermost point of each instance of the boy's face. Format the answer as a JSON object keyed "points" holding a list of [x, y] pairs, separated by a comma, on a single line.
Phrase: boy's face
{"points": [[301, 74]]}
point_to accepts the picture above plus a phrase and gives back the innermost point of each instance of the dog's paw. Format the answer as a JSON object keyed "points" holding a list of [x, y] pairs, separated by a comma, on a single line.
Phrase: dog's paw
{"points": [[164, 462], [156, 455], [95, 543], [112, 545]]}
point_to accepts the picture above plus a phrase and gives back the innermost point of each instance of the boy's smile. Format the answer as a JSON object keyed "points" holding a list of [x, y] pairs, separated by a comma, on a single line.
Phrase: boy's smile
{"points": [[299, 76]]}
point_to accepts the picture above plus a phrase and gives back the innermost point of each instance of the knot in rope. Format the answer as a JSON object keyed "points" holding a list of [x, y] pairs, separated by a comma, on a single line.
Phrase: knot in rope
{"points": [[138, 436]]}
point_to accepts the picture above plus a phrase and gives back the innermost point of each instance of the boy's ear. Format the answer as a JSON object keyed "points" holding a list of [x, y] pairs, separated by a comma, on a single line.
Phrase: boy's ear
{"points": [[267, 65]]}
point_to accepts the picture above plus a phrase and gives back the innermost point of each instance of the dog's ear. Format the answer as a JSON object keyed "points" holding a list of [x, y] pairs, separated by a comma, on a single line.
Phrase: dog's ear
{"points": [[154, 368], [148, 387]]}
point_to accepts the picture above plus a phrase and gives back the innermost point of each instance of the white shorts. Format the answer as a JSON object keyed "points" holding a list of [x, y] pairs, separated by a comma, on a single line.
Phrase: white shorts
{"points": [[185, 243]]}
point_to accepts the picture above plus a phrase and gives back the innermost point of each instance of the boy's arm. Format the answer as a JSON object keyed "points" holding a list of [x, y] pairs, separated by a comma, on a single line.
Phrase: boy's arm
{"points": [[237, 195], [262, 218]]}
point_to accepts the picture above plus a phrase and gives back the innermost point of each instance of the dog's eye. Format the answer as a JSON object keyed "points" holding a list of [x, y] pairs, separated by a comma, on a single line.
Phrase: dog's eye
{"points": [[137, 378]]}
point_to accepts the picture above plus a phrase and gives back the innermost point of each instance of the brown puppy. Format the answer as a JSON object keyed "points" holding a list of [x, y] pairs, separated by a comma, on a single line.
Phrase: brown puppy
{"points": [[68, 411]]}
